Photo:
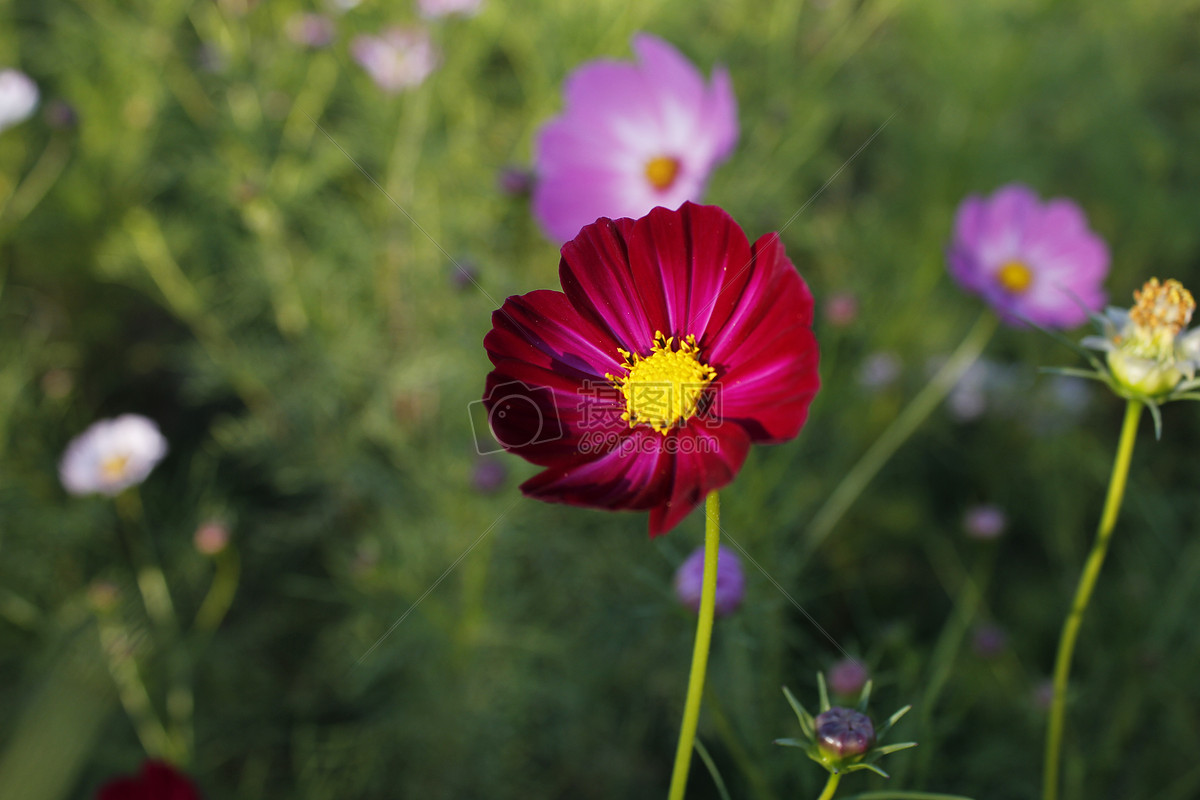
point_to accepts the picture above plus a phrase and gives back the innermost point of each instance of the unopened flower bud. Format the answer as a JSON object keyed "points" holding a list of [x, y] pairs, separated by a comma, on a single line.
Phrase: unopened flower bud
{"points": [[103, 596], [211, 538], [984, 522], [844, 733], [847, 677], [731, 582]]}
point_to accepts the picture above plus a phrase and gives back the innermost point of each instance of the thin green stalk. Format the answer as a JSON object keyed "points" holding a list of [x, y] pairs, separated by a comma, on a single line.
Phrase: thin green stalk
{"points": [[831, 786], [1083, 593], [704, 626], [902, 427]]}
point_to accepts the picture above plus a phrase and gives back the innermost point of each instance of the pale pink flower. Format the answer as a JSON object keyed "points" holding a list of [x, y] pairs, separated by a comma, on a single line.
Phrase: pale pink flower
{"points": [[441, 8], [398, 58], [632, 137], [112, 455], [18, 97]]}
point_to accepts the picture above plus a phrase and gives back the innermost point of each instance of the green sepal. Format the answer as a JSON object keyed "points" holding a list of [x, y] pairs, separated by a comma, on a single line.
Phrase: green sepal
{"points": [[865, 697], [862, 766], [824, 692], [807, 725], [892, 720], [893, 748], [791, 742]]}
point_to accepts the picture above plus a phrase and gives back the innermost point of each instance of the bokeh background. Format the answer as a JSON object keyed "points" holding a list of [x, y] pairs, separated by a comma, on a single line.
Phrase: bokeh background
{"points": [[188, 244]]}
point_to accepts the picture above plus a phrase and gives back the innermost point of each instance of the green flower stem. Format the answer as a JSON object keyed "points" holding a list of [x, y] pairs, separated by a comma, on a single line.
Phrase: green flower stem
{"points": [[831, 786], [220, 593], [151, 583], [1083, 593], [902, 427], [704, 626]]}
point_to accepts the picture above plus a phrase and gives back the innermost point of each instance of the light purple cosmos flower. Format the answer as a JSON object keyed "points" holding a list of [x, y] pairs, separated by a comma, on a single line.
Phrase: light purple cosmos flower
{"points": [[112, 455], [731, 582], [398, 58], [1028, 259], [632, 137], [18, 97]]}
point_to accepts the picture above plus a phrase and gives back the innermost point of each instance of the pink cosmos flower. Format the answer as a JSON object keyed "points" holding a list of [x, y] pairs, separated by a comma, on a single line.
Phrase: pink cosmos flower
{"points": [[1028, 259], [397, 59], [632, 137]]}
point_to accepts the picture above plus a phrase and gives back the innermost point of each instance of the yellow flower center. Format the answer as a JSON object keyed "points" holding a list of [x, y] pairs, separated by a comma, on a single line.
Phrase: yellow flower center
{"points": [[1014, 276], [661, 171], [113, 467], [1162, 308], [664, 389]]}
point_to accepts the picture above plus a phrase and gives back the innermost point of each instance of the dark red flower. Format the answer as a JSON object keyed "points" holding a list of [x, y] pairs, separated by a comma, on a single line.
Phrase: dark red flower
{"points": [[673, 345], [156, 781]]}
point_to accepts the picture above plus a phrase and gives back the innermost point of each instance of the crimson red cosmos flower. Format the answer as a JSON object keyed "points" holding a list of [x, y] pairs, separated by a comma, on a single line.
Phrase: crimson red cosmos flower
{"points": [[673, 345], [157, 781]]}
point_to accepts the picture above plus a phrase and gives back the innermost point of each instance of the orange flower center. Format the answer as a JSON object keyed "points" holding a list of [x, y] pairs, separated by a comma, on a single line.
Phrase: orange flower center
{"points": [[1014, 276], [661, 171], [1165, 307], [664, 389]]}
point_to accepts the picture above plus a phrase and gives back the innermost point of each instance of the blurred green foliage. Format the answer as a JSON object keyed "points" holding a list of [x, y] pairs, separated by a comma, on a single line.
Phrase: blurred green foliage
{"points": [[248, 242]]}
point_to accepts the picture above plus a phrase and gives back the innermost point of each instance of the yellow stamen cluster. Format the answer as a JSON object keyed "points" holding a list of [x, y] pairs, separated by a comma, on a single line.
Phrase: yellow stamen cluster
{"points": [[1015, 277], [661, 171], [664, 389], [113, 467], [1162, 307]]}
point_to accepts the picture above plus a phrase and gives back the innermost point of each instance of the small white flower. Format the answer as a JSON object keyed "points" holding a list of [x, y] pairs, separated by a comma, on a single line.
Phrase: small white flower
{"points": [[397, 59], [442, 8], [112, 455], [18, 97]]}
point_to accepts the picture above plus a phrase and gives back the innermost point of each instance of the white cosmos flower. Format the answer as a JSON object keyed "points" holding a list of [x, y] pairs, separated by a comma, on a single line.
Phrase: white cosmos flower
{"points": [[112, 455], [18, 97]]}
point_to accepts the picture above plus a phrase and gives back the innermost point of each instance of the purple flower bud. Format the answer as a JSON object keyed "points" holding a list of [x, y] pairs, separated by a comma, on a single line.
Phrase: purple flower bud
{"points": [[489, 476], [463, 275], [984, 522], [515, 181], [847, 677], [731, 582], [989, 641], [879, 370], [310, 30], [841, 309], [844, 732], [1043, 695], [60, 114]]}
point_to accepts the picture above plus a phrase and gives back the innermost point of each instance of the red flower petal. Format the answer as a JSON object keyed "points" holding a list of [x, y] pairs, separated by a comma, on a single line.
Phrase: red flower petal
{"points": [[708, 457], [679, 261], [597, 279], [157, 781], [636, 473], [543, 328]]}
